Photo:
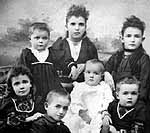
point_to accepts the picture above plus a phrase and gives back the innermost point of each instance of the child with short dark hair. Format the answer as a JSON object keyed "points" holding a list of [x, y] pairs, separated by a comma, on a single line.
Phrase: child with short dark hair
{"points": [[41, 60], [133, 60], [18, 107], [122, 114], [56, 105]]}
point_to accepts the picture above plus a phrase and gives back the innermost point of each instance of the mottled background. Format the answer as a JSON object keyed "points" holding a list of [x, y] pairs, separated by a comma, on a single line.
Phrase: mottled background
{"points": [[105, 21]]}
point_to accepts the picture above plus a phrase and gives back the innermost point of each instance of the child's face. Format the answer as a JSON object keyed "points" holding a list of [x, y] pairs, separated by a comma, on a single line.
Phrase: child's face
{"points": [[132, 38], [76, 27], [58, 107], [39, 39], [21, 85], [92, 74], [128, 94]]}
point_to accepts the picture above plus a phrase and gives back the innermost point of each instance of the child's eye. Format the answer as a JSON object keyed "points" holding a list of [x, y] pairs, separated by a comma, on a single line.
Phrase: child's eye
{"points": [[128, 35], [45, 38], [37, 37], [72, 24], [137, 36], [81, 24], [58, 106], [125, 93], [65, 108], [88, 72], [16, 83], [134, 93], [25, 81], [96, 73]]}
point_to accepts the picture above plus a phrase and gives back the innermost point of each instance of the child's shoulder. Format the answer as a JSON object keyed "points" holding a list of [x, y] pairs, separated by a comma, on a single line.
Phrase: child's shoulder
{"points": [[104, 84], [58, 44], [26, 50]]}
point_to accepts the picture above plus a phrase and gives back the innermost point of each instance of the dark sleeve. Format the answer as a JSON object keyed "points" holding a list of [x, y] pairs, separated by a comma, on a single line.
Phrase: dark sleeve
{"points": [[24, 58], [144, 88], [39, 126], [144, 77], [110, 107], [109, 64], [140, 112]]}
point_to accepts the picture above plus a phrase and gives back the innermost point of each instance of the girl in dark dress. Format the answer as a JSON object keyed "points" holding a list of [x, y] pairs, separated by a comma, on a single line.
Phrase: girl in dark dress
{"points": [[75, 45], [41, 61], [18, 107]]}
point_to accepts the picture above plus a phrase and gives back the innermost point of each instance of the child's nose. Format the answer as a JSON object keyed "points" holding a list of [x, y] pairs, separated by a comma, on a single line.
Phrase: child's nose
{"points": [[21, 86], [91, 74], [132, 38], [76, 26], [61, 111], [40, 40], [129, 96]]}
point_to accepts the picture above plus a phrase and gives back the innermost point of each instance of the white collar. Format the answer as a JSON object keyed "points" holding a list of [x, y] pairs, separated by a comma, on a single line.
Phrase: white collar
{"points": [[40, 55], [75, 49]]}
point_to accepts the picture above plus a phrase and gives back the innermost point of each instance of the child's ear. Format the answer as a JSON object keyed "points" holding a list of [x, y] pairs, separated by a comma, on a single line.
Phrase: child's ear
{"points": [[122, 39], [45, 105], [117, 95]]}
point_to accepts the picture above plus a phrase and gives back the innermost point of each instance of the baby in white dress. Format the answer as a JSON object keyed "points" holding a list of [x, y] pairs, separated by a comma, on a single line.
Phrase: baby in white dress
{"points": [[88, 100]]}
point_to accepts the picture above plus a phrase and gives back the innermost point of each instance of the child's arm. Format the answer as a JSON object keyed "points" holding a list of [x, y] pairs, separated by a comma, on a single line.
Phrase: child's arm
{"points": [[34, 117], [76, 101], [85, 116]]}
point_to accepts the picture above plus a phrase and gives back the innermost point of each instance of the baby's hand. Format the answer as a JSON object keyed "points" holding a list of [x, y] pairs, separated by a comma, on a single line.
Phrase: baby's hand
{"points": [[84, 115], [34, 117], [74, 73]]}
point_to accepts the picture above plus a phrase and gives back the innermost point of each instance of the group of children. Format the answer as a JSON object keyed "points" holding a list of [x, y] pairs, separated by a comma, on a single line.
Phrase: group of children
{"points": [[38, 102]]}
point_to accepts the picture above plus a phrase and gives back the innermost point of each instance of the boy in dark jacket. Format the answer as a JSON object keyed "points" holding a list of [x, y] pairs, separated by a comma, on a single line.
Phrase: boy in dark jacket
{"points": [[56, 105], [123, 113]]}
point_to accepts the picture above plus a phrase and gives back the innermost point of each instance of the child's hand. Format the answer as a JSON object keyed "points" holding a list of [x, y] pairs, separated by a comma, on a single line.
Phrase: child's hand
{"points": [[80, 68], [84, 115], [106, 120], [34, 117], [112, 129], [74, 73]]}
